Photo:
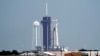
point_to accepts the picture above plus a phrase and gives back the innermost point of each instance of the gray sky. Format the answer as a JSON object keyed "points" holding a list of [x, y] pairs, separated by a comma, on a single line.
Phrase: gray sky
{"points": [[79, 22]]}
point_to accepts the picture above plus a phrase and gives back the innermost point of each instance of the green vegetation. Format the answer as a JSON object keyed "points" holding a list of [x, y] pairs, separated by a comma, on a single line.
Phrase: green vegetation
{"points": [[87, 50], [13, 52]]}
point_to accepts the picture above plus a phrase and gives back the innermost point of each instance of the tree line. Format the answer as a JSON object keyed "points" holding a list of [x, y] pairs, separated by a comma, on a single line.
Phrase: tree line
{"points": [[87, 49], [5, 52]]}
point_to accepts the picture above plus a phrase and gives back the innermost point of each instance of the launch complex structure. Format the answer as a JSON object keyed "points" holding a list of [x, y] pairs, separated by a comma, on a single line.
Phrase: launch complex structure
{"points": [[50, 37]]}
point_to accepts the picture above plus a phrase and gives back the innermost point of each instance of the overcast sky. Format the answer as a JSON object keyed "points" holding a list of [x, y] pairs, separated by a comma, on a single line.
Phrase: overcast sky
{"points": [[79, 22]]}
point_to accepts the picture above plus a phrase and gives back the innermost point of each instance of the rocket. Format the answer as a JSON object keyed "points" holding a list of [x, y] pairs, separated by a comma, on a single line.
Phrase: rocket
{"points": [[55, 35]]}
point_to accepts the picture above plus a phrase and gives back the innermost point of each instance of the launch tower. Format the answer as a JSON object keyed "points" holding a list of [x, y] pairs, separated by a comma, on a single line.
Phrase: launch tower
{"points": [[46, 22]]}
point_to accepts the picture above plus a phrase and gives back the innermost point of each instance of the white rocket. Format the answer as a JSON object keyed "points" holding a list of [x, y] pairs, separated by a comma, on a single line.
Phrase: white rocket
{"points": [[55, 33]]}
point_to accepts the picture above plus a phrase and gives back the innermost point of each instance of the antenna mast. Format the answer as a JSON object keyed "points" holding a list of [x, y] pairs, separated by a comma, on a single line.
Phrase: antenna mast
{"points": [[46, 9]]}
